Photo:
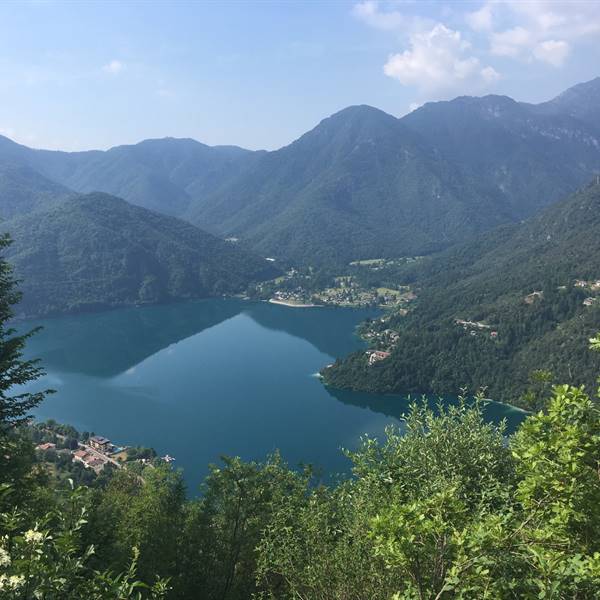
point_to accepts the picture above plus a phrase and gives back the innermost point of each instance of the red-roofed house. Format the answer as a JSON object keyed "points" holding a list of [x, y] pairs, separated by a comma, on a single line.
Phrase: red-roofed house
{"points": [[46, 446], [377, 355]]}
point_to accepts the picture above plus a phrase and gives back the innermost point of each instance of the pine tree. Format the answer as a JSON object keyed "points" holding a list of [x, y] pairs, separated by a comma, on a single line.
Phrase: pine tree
{"points": [[14, 370]]}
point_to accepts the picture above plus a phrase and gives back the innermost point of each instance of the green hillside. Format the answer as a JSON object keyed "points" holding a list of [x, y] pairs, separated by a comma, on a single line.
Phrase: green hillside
{"points": [[162, 174], [98, 251], [358, 185], [490, 281], [22, 190], [523, 157]]}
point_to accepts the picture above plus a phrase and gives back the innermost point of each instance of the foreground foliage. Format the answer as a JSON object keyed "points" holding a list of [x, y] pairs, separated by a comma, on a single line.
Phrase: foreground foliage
{"points": [[445, 508]]}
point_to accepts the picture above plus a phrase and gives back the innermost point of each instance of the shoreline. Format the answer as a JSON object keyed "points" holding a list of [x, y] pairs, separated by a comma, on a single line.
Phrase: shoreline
{"points": [[512, 407], [291, 304]]}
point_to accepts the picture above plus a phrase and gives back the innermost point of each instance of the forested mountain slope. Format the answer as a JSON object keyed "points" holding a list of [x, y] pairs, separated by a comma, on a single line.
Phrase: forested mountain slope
{"points": [[363, 184], [358, 185], [98, 251], [23, 190], [523, 157], [579, 101], [532, 284], [162, 175]]}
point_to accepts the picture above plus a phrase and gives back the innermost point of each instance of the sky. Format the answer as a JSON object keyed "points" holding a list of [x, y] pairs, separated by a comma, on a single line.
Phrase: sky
{"points": [[83, 75]]}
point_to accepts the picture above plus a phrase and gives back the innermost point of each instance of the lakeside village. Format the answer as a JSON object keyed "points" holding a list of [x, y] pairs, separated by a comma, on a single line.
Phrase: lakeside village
{"points": [[308, 288], [366, 285], [346, 293], [66, 452]]}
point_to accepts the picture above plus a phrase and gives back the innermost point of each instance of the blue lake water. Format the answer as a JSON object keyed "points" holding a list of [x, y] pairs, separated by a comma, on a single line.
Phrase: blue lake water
{"points": [[201, 379]]}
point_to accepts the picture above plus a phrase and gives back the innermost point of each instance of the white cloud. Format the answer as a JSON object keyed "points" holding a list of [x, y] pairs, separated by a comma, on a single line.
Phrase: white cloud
{"points": [[113, 67], [438, 62], [482, 19], [369, 12], [390, 19], [511, 42], [553, 52], [489, 74], [542, 30]]}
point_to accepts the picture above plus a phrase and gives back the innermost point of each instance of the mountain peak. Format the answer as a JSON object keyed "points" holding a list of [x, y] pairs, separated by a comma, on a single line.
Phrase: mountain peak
{"points": [[582, 101], [492, 104], [580, 90], [359, 114], [355, 122], [360, 111]]}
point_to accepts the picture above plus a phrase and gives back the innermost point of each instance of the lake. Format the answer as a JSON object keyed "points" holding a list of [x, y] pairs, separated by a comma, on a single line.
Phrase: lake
{"points": [[201, 379]]}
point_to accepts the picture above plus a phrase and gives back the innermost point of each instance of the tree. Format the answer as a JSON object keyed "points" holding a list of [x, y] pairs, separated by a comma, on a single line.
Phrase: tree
{"points": [[142, 511], [14, 370], [16, 452], [46, 559], [223, 531]]}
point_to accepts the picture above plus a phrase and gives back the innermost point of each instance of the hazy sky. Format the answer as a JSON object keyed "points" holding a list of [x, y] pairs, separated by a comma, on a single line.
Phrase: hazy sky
{"points": [[80, 75]]}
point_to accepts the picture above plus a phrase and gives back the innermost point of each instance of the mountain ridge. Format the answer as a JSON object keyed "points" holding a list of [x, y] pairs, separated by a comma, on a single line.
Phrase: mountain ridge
{"points": [[361, 183]]}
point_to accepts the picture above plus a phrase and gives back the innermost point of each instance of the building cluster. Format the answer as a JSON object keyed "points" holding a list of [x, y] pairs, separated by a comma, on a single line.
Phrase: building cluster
{"points": [[531, 298], [376, 356], [96, 452], [350, 293], [387, 338], [296, 296], [475, 327], [90, 461], [345, 292], [592, 285], [94, 455]]}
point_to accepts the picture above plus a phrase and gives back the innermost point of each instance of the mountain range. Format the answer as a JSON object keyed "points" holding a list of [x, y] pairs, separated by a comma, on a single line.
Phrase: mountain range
{"points": [[361, 184]]}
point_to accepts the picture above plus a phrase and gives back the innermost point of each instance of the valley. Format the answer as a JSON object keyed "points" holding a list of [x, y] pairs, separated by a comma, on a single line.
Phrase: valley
{"points": [[420, 216], [300, 300]]}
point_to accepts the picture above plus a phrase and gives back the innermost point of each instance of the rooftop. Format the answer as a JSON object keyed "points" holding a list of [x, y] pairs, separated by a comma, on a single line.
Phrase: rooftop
{"points": [[99, 439]]}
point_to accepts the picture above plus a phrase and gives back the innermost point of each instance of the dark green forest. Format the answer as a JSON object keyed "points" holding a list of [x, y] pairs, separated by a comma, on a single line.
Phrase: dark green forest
{"points": [[97, 251], [490, 280]]}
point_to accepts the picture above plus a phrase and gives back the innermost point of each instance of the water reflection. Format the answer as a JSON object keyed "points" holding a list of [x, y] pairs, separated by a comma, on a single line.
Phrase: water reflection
{"points": [[313, 324], [395, 406], [106, 344], [206, 378]]}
